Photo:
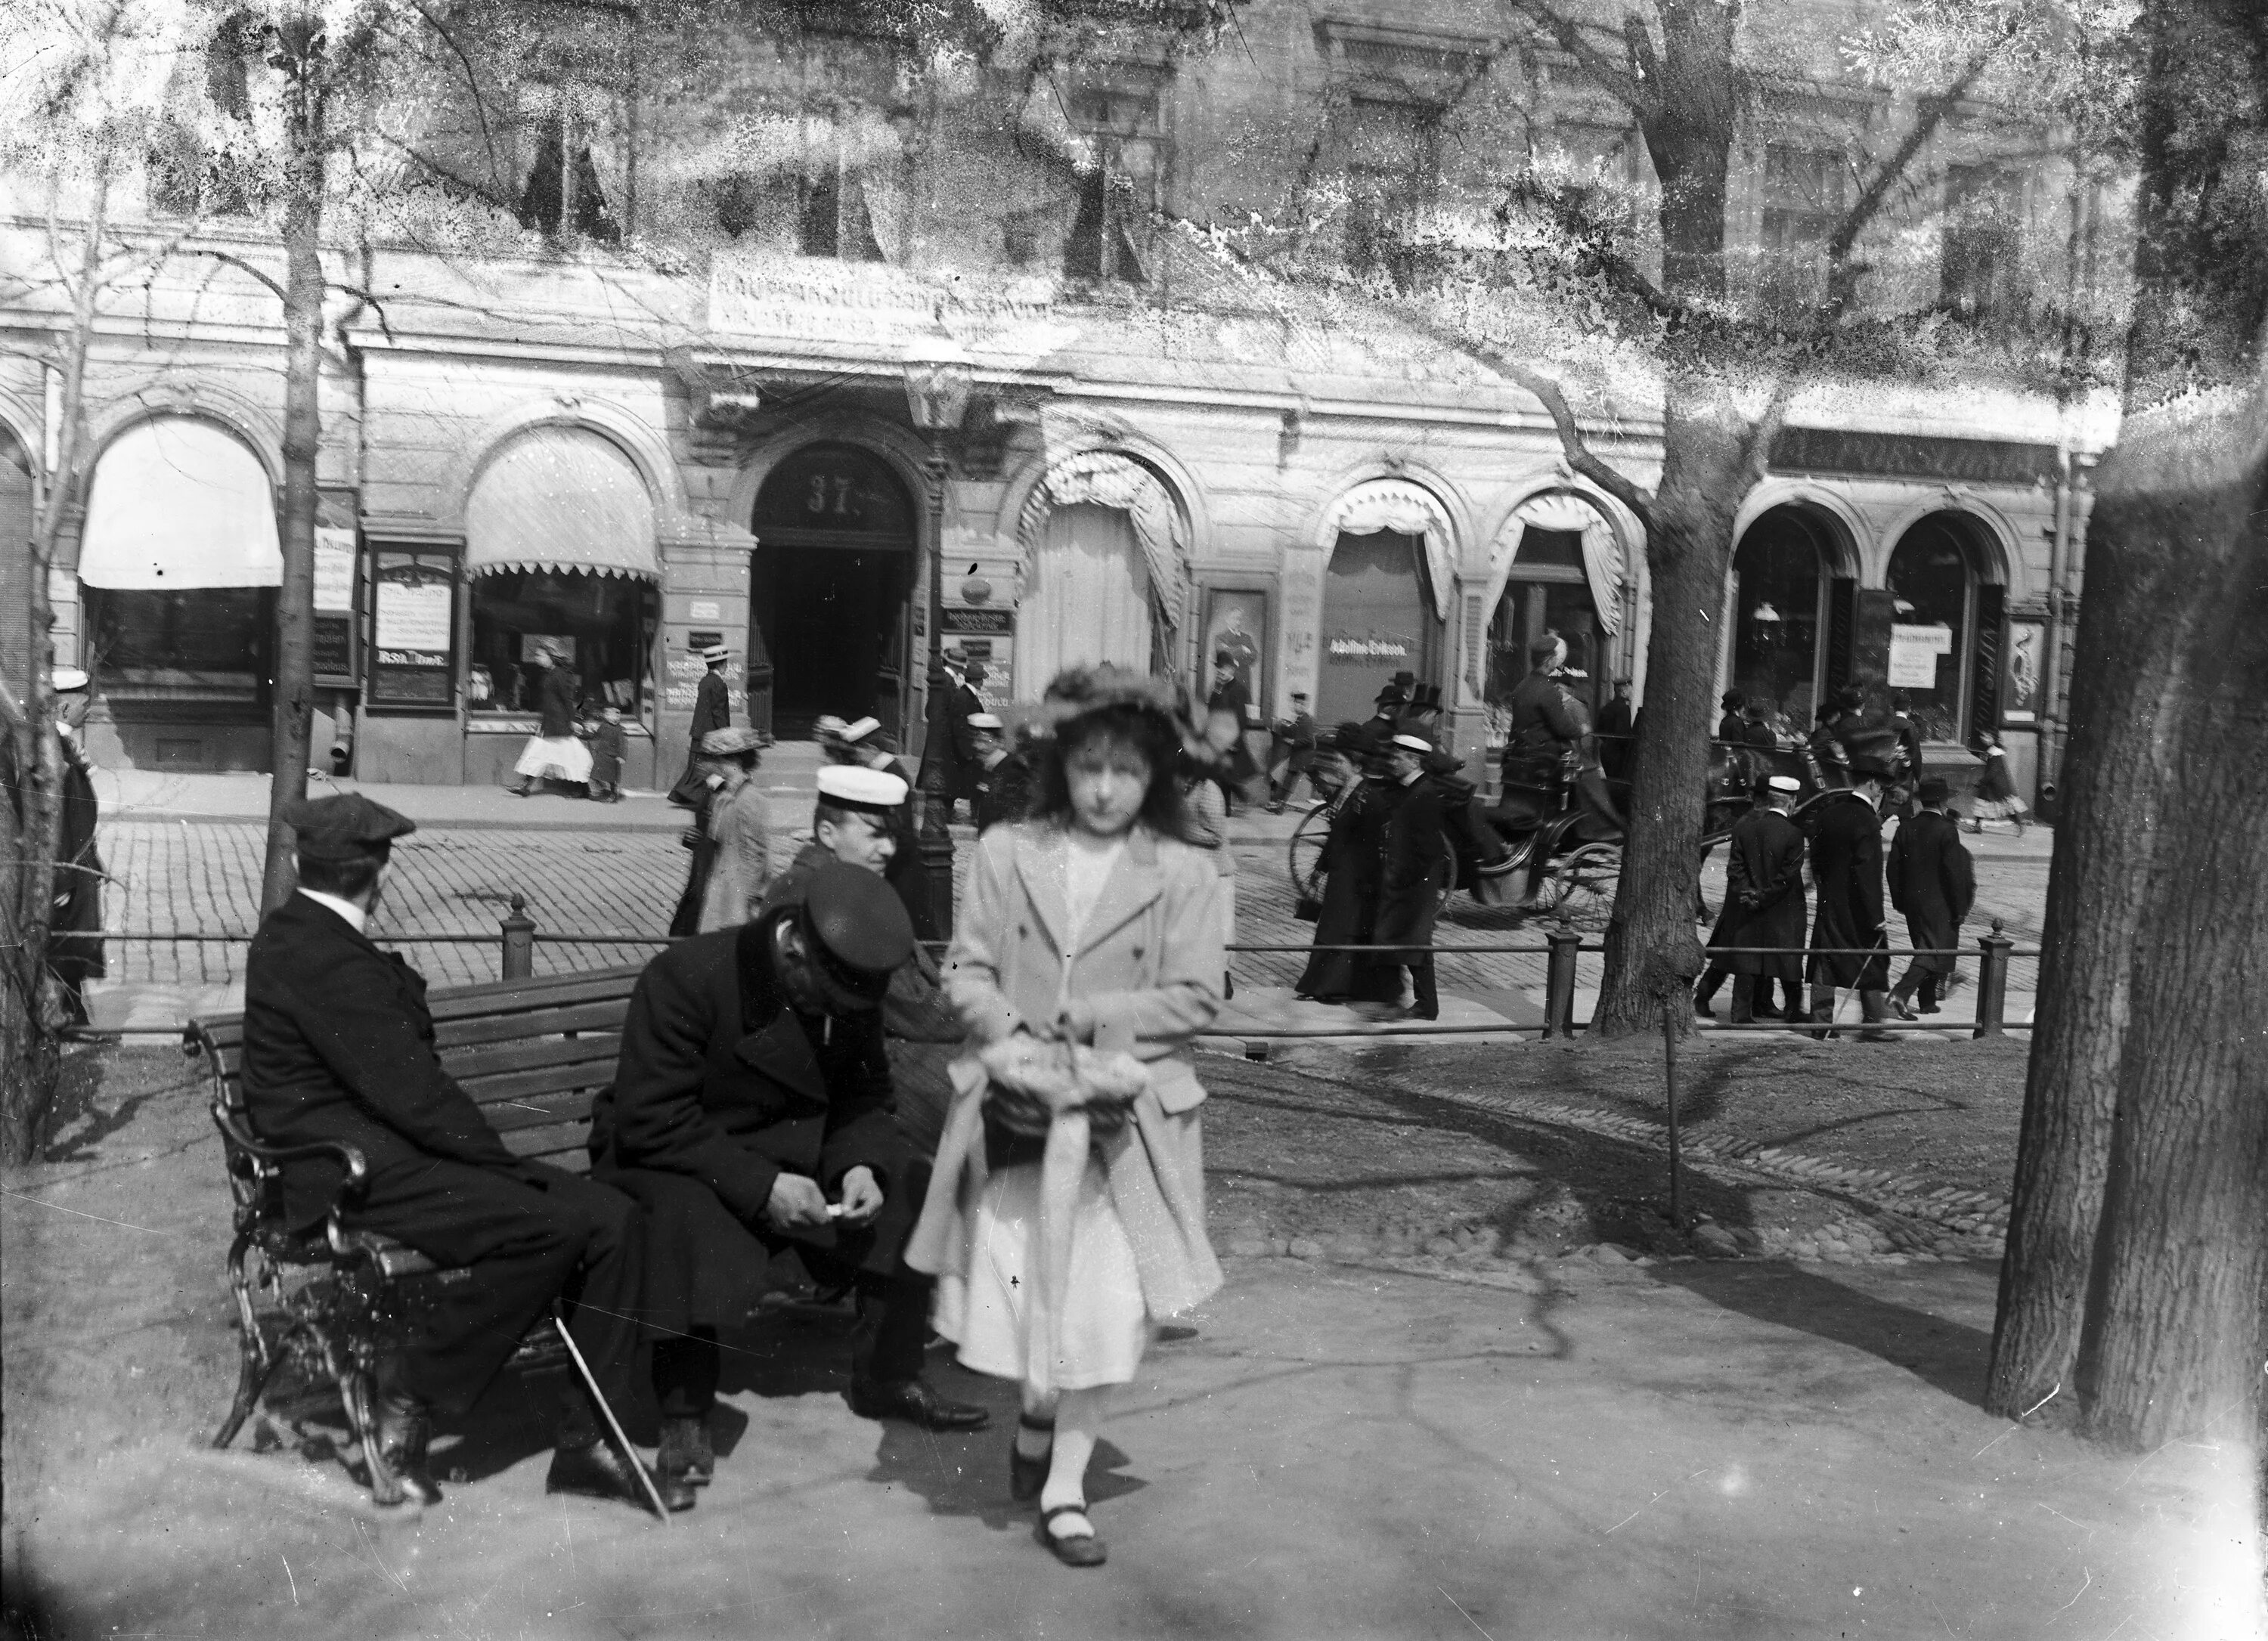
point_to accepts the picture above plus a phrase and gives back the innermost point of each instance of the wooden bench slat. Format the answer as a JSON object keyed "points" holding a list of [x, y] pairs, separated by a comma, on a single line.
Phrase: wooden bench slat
{"points": [[517, 997], [545, 1082], [468, 1065], [470, 1031]]}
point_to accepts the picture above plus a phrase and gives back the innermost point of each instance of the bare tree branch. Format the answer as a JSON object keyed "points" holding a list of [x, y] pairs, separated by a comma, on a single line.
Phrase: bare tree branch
{"points": [[1618, 78]]}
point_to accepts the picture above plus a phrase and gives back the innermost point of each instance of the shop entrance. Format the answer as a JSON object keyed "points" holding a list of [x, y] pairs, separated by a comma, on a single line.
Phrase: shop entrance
{"points": [[1784, 651], [828, 584], [1376, 622]]}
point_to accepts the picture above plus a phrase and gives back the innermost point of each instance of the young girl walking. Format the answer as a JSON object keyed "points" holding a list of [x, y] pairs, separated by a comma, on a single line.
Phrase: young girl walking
{"points": [[1066, 1214]]}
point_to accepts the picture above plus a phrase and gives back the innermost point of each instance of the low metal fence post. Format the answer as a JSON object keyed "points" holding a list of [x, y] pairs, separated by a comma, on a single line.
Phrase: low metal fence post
{"points": [[1559, 981], [519, 930], [1992, 980]]}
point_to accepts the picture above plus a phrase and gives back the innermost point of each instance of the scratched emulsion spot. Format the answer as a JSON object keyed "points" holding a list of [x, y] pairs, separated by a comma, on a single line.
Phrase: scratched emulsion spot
{"points": [[1733, 1482]]}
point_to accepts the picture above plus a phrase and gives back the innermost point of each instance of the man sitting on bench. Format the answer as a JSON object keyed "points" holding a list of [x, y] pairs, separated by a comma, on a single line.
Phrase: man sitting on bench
{"points": [[338, 1045]]}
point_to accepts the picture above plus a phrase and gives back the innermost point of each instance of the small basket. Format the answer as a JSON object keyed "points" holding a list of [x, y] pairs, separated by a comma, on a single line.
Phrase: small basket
{"points": [[1027, 1115]]}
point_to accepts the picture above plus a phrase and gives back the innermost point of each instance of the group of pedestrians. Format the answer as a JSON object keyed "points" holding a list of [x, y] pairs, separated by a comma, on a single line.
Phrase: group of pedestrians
{"points": [[1758, 940], [1042, 1208]]}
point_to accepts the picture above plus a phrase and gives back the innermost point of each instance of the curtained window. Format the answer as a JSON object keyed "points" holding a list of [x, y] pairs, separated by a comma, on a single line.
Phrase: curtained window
{"points": [[1087, 599]]}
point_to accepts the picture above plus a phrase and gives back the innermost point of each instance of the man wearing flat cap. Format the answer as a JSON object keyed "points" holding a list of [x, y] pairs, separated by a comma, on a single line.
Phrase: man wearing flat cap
{"points": [[1845, 832], [1763, 907], [751, 1111], [1933, 881], [338, 1046]]}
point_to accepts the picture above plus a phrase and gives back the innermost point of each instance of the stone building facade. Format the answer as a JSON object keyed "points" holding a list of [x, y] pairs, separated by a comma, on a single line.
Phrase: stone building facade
{"points": [[673, 413]]}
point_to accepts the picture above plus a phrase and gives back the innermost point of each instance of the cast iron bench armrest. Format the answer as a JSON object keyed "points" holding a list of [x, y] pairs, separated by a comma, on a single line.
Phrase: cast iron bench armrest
{"points": [[349, 1156]]}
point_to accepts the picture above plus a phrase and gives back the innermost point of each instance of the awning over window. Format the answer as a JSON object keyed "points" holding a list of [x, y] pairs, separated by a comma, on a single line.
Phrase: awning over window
{"points": [[1103, 478], [561, 498], [1405, 508], [180, 503], [1602, 553]]}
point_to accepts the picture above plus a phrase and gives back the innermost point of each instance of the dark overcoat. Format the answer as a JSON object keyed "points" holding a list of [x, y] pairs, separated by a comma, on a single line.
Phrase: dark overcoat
{"points": [[721, 1087], [713, 706], [75, 951], [557, 696], [1763, 896], [1933, 881], [338, 1045], [1353, 860], [1544, 722], [1846, 861], [1414, 867], [1002, 792]]}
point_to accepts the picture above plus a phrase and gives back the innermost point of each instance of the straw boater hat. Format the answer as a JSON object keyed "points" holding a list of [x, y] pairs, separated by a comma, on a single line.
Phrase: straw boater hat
{"points": [[716, 652], [67, 680], [848, 786], [1414, 743], [984, 720], [857, 731], [730, 740]]}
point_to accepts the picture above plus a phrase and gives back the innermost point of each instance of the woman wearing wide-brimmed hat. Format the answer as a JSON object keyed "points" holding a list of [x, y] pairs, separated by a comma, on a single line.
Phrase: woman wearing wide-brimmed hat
{"points": [[740, 828], [554, 752], [1066, 1213]]}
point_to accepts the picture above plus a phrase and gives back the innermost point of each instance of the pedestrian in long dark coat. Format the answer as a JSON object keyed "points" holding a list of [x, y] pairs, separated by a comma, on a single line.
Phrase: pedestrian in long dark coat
{"points": [[1847, 861], [1354, 857], [1933, 883], [712, 709], [1763, 907], [1414, 871]]}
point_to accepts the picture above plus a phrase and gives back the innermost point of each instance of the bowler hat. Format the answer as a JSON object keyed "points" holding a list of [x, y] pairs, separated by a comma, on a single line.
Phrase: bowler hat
{"points": [[1866, 768], [1933, 790]]}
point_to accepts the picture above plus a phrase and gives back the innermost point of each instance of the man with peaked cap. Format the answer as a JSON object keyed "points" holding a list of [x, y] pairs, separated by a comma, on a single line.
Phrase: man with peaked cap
{"points": [[863, 744], [856, 823], [751, 1112], [338, 1046], [1414, 868], [1763, 907], [1002, 790]]}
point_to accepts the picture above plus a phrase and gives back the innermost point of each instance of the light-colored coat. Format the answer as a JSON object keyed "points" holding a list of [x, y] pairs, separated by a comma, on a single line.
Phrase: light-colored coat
{"points": [[740, 822], [1149, 965]]}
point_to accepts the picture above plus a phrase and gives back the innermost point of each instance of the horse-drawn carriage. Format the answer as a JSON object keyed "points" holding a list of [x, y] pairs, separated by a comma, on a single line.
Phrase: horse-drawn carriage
{"points": [[1556, 850]]}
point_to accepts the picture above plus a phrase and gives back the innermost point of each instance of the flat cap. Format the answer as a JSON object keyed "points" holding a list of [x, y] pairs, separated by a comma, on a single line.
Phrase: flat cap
{"points": [[346, 825], [852, 786], [723, 743], [859, 930]]}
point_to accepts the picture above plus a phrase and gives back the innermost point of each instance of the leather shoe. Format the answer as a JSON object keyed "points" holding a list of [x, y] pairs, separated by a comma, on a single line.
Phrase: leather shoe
{"points": [[913, 1400], [1073, 1550], [404, 1428], [686, 1451], [595, 1470]]}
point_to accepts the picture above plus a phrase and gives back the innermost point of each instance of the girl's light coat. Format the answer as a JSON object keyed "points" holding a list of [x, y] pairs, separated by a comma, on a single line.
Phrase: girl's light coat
{"points": [[1149, 964]]}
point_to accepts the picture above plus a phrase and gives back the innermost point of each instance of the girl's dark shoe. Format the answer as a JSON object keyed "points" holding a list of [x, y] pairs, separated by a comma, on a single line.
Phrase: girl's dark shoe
{"points": [[1026, 1476], [1073, 1550], [686, 1451]]}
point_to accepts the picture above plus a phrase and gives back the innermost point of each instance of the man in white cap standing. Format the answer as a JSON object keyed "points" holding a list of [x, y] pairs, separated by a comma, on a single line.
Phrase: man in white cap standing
{"points": [[1416, 871], [1763, 907], [75, 954]]}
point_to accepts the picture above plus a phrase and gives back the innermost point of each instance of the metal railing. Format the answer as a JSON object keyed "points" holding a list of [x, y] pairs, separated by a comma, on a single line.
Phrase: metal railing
{"points": [[517, 934]]}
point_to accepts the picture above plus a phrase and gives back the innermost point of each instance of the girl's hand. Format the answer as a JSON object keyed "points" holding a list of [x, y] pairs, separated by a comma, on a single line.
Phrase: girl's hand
{"points": [[1076, 1023]]}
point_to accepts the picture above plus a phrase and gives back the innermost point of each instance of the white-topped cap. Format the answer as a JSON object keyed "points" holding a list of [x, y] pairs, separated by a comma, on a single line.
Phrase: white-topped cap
{"points": [[1783, 784], [858, 730], [848, 786], [984, 720]]}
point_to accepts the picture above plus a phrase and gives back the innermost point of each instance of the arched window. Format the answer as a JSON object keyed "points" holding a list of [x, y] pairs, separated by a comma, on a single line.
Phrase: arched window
{"points": [[1935, 624], [1782, 573]]}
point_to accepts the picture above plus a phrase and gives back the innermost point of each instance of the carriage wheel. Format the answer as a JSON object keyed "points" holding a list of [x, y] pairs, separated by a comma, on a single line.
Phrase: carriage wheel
{"points": [[1580, 887], [1306, 850]]}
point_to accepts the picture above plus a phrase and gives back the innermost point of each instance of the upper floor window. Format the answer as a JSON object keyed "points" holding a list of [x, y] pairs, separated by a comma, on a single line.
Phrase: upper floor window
{"points": [[1804, 197], [1118, 125], [834, 215], [1980, 276], [564, 191], [1394, 166]]}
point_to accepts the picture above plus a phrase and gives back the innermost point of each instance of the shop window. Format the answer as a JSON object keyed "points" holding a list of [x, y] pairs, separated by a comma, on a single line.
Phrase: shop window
{"points": [[603, 626], [1118, 186], [1804, 195], [1933, 584], [214, 642], [1778, 574]]}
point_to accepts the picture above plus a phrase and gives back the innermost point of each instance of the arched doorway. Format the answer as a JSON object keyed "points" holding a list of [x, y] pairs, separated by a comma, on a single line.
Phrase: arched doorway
{"points": [[1382, 594], [1786, 647], [1564, 576], [1945, 632], [836, 551]]}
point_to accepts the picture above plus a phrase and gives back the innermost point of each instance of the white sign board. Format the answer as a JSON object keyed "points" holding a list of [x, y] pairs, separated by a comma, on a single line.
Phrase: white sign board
{"points": [[414, 617], [335, 567], [1913, 655]]}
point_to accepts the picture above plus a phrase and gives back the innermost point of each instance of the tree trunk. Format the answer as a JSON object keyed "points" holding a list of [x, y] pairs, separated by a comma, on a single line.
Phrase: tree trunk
{"points": [[1652, 952], [2137, 1274], [31, 819], [303, 365]]}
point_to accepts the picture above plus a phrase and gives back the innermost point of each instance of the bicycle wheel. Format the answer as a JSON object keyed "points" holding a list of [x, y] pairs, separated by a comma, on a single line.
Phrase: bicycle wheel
{"points": [[1580, 887]]}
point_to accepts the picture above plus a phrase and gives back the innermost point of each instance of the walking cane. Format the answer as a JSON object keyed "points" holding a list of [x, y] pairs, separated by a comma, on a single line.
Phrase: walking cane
{"points": [[591, 1384]]}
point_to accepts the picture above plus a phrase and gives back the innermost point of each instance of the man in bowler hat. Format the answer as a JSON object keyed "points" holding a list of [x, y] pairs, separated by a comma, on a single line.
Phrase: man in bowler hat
{"points": [[1933, 881], [338, 1046], [1848, 946], [751, 1111]]}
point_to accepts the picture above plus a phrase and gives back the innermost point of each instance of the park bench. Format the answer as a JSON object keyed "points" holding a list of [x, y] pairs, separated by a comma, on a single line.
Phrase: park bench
{"points": [[532, 1053]]}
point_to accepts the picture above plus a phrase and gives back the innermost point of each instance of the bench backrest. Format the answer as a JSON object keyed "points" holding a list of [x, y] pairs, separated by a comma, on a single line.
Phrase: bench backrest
{"points": [[532, 1054]]}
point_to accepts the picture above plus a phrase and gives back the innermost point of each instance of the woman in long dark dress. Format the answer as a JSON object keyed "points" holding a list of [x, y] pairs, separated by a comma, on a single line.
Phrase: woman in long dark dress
{"points": [[1354, 855]]}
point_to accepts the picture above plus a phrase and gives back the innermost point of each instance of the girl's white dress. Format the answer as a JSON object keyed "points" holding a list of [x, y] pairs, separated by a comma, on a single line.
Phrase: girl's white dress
{"points": [[1104, 1326]]}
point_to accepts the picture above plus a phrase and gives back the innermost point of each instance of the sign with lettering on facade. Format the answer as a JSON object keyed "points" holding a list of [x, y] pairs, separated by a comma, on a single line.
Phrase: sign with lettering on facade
{"points": [[414, 629], [987, 623], [1348, 648], [1910, 456], [1914, 650], [335, 658]]}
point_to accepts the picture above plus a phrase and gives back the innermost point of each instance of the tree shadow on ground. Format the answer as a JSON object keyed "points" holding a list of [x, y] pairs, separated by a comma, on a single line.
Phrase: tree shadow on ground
{"points": [[79, 1120], [1950, 1356]]}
